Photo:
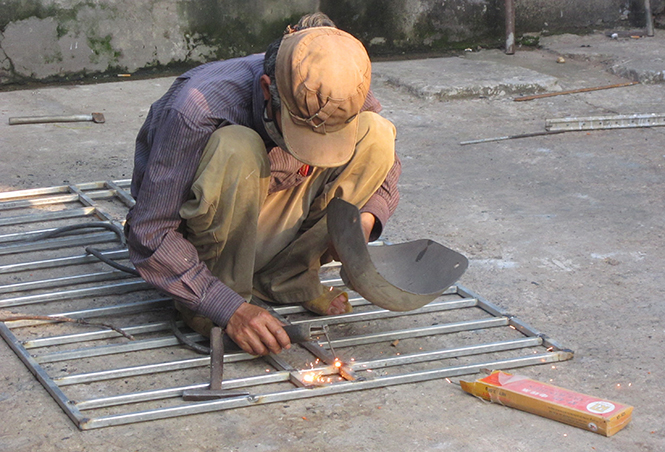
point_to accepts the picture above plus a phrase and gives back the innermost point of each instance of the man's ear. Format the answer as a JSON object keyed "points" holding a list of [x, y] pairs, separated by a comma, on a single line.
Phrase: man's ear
{"points": [[265, 86]]}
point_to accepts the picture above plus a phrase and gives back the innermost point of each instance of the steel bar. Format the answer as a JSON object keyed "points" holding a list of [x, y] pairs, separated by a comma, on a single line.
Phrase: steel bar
{"points": [[59, 189], [114, 349], [302, 393], [354, 300], [48, 233], [64, 242], [96, 335], [61, 261], [48, 216], [92, 117], [605, 122], [436, 355], [22, 204], [159, 394], [111, 289], [64, 281], [509, 137], [17, 194], [147, 369], [419, 332], [378, 314], [125, 197], [118, 309]]}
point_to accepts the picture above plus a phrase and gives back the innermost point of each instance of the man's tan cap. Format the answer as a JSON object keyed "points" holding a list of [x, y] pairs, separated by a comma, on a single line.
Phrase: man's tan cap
{"points": [[323, 75]]}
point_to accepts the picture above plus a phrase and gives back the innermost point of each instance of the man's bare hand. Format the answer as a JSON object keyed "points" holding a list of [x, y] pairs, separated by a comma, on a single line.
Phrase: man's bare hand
{"points": [[256, 331]]}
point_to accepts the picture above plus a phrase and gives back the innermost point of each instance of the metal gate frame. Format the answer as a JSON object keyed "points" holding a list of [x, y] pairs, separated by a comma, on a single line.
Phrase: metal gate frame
{"points": [[41, 347]]}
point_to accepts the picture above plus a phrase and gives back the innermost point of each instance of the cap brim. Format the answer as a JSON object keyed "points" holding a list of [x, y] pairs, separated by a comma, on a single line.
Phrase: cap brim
{"points": [[327, 150]]}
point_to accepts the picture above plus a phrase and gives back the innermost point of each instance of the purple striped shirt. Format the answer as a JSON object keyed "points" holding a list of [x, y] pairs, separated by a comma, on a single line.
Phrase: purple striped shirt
{"points": [[168, 150]]}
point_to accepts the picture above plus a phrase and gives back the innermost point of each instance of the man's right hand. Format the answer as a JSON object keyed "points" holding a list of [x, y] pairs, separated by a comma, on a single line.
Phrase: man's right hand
{"points": [[256, 331]]}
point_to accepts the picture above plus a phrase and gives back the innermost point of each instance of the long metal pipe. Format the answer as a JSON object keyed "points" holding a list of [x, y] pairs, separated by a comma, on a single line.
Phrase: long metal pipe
{"points": [[649, 17], [510, 27]]}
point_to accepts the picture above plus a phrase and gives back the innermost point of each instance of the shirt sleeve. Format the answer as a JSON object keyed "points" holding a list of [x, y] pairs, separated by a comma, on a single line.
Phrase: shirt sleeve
{"points": [[384, 201], [160, 253]]}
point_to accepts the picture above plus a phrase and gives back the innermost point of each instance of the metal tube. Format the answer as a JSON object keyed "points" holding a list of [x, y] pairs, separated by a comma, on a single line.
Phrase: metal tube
{"points": [[420, 332], [444, 354], [61, 261], [93, 117], [96, 335], [606, 122], [119, 309], [148, 396], [111, 289], [7, 205], [59, 189], [148, 369], [64, 281], [648, 17], [48, 216], [21, 204], [302, 393], [379, 314], [64, 242], [113, 349], [510, 27]]}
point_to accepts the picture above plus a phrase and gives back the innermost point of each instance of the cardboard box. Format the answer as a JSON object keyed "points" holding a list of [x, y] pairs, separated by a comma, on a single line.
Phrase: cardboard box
{"points": [[579, 410]]}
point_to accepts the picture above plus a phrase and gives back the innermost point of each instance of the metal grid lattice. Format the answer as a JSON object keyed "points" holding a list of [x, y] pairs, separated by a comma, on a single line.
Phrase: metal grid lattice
{"points": [[101, 378]]}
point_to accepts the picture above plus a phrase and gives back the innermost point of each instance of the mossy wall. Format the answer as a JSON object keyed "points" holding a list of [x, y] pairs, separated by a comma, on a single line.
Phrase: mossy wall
{"points": [[53, 40]]}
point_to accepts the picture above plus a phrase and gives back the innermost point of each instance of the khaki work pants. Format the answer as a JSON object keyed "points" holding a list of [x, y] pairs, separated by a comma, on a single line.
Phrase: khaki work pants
{"points": [[271, 245]]}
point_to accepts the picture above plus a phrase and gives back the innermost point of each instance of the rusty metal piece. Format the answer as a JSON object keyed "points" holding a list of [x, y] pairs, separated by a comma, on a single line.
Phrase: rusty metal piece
{"points": [[400, 277], [510, 27], [573, 91], [93, 117]]}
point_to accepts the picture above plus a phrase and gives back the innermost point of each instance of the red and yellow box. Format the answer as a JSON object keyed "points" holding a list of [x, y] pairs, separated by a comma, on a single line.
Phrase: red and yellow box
{"points": [[579, 410]]}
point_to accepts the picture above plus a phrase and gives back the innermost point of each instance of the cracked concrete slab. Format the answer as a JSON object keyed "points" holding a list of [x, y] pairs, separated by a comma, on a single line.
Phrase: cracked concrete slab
{"points": [[445, 78], [639, 59]]}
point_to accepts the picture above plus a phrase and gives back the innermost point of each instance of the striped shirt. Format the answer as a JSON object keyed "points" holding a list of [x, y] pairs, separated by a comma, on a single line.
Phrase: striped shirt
{"points": [[168, 149]]}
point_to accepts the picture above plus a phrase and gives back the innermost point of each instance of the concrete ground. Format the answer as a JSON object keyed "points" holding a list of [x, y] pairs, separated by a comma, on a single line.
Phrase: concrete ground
{"points": [[564, 231]]}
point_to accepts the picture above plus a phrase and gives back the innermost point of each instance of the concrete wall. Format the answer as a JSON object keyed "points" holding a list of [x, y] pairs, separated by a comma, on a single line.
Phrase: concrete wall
{"points": [[70, 39]]}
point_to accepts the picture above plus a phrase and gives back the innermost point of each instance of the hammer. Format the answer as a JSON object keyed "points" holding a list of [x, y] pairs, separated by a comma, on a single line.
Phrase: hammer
{"points": [[297, 333], [94, 117]]}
